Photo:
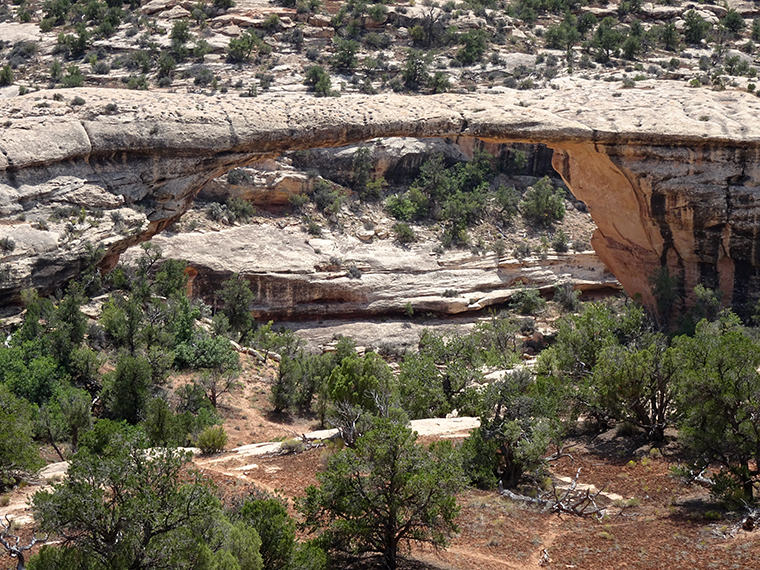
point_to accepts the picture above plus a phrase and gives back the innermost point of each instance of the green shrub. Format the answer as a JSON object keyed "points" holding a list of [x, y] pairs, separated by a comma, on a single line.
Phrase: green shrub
{"points": [[217, 212], [560, 243], [579, 245], [543, 204], [292, 445], [566, 297], [75, 46], [56, 70], [201, 48], [522, 250], [528, 302], [205, 351], [518, 422], [265, 81], [439, 82], [317, 78], [474, 44], [241, 48], [354, 498], [695, 27], [414, 73], [312, 227], [269, 516], [421, 387], [180, 32], [298, 201], [377, 41], [733, 21], [137, 82], [344, 57], [205, 77], [101, 68], [73, 77], [404, 233], [238, 176], [401, 207], [6, 75], [361, 173], [327, 197], [607, 39], [126, 389], [242, 210], [7, 243], [272, 22], [166, 64], [19, 458], [162, 426], [212, 440], [507, 199], [312, 54], [21, 53], [478, 457]]}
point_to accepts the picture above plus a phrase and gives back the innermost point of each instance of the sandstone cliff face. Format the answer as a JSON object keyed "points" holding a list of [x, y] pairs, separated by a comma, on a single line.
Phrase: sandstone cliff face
{"points": [[669, 177], [693, 210]]}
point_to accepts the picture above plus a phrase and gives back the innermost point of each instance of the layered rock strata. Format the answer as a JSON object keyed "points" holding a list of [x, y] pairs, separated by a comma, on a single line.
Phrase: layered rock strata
{"points": [[670, 174], [294, 276]]}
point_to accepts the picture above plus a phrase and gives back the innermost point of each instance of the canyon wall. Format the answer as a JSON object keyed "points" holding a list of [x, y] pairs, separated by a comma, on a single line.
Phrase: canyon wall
{"points": [[670, 175]]}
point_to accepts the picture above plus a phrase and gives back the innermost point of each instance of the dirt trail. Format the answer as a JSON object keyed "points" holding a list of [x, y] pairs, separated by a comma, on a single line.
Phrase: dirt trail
{"points": [[238, 463], [264, 465], [18, 508], [463, 557]]}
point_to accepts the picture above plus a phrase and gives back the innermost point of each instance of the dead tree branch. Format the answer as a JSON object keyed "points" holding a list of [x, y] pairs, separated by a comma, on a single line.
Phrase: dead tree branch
{"points": [[559, 454], [569, 501], [751, 519], [578, 503], [16, 550]]}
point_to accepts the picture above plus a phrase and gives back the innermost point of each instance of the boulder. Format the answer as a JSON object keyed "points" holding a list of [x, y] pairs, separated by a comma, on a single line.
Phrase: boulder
{"points": [[155, 6], [320, 21], [175, 13], [12, 32]]}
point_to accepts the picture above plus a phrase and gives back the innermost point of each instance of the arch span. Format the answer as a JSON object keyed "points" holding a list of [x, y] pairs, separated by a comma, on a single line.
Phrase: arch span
{"points": [[670, 178]]}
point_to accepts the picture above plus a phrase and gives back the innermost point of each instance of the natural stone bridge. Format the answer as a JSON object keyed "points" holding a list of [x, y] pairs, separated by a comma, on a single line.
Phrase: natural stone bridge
{"points": [[670, 174]]}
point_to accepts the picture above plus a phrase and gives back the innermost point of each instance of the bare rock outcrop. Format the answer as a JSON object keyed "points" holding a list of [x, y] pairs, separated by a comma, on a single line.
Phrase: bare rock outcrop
{"points": [[297, 276], [670, 177]]}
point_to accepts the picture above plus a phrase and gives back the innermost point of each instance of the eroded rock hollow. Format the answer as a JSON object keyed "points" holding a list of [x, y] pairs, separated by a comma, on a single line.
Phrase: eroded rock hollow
{"points": [[669, 178]]}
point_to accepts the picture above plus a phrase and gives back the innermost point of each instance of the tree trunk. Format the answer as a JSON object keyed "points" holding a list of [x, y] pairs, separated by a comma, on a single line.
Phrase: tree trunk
{"points": [[58, 451], [657, 433], [748, 485], [74, 439], [391, 549]]}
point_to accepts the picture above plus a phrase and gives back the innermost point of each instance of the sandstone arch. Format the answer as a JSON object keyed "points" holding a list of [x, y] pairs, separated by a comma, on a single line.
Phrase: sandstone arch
{"points": [[670, 175]]}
